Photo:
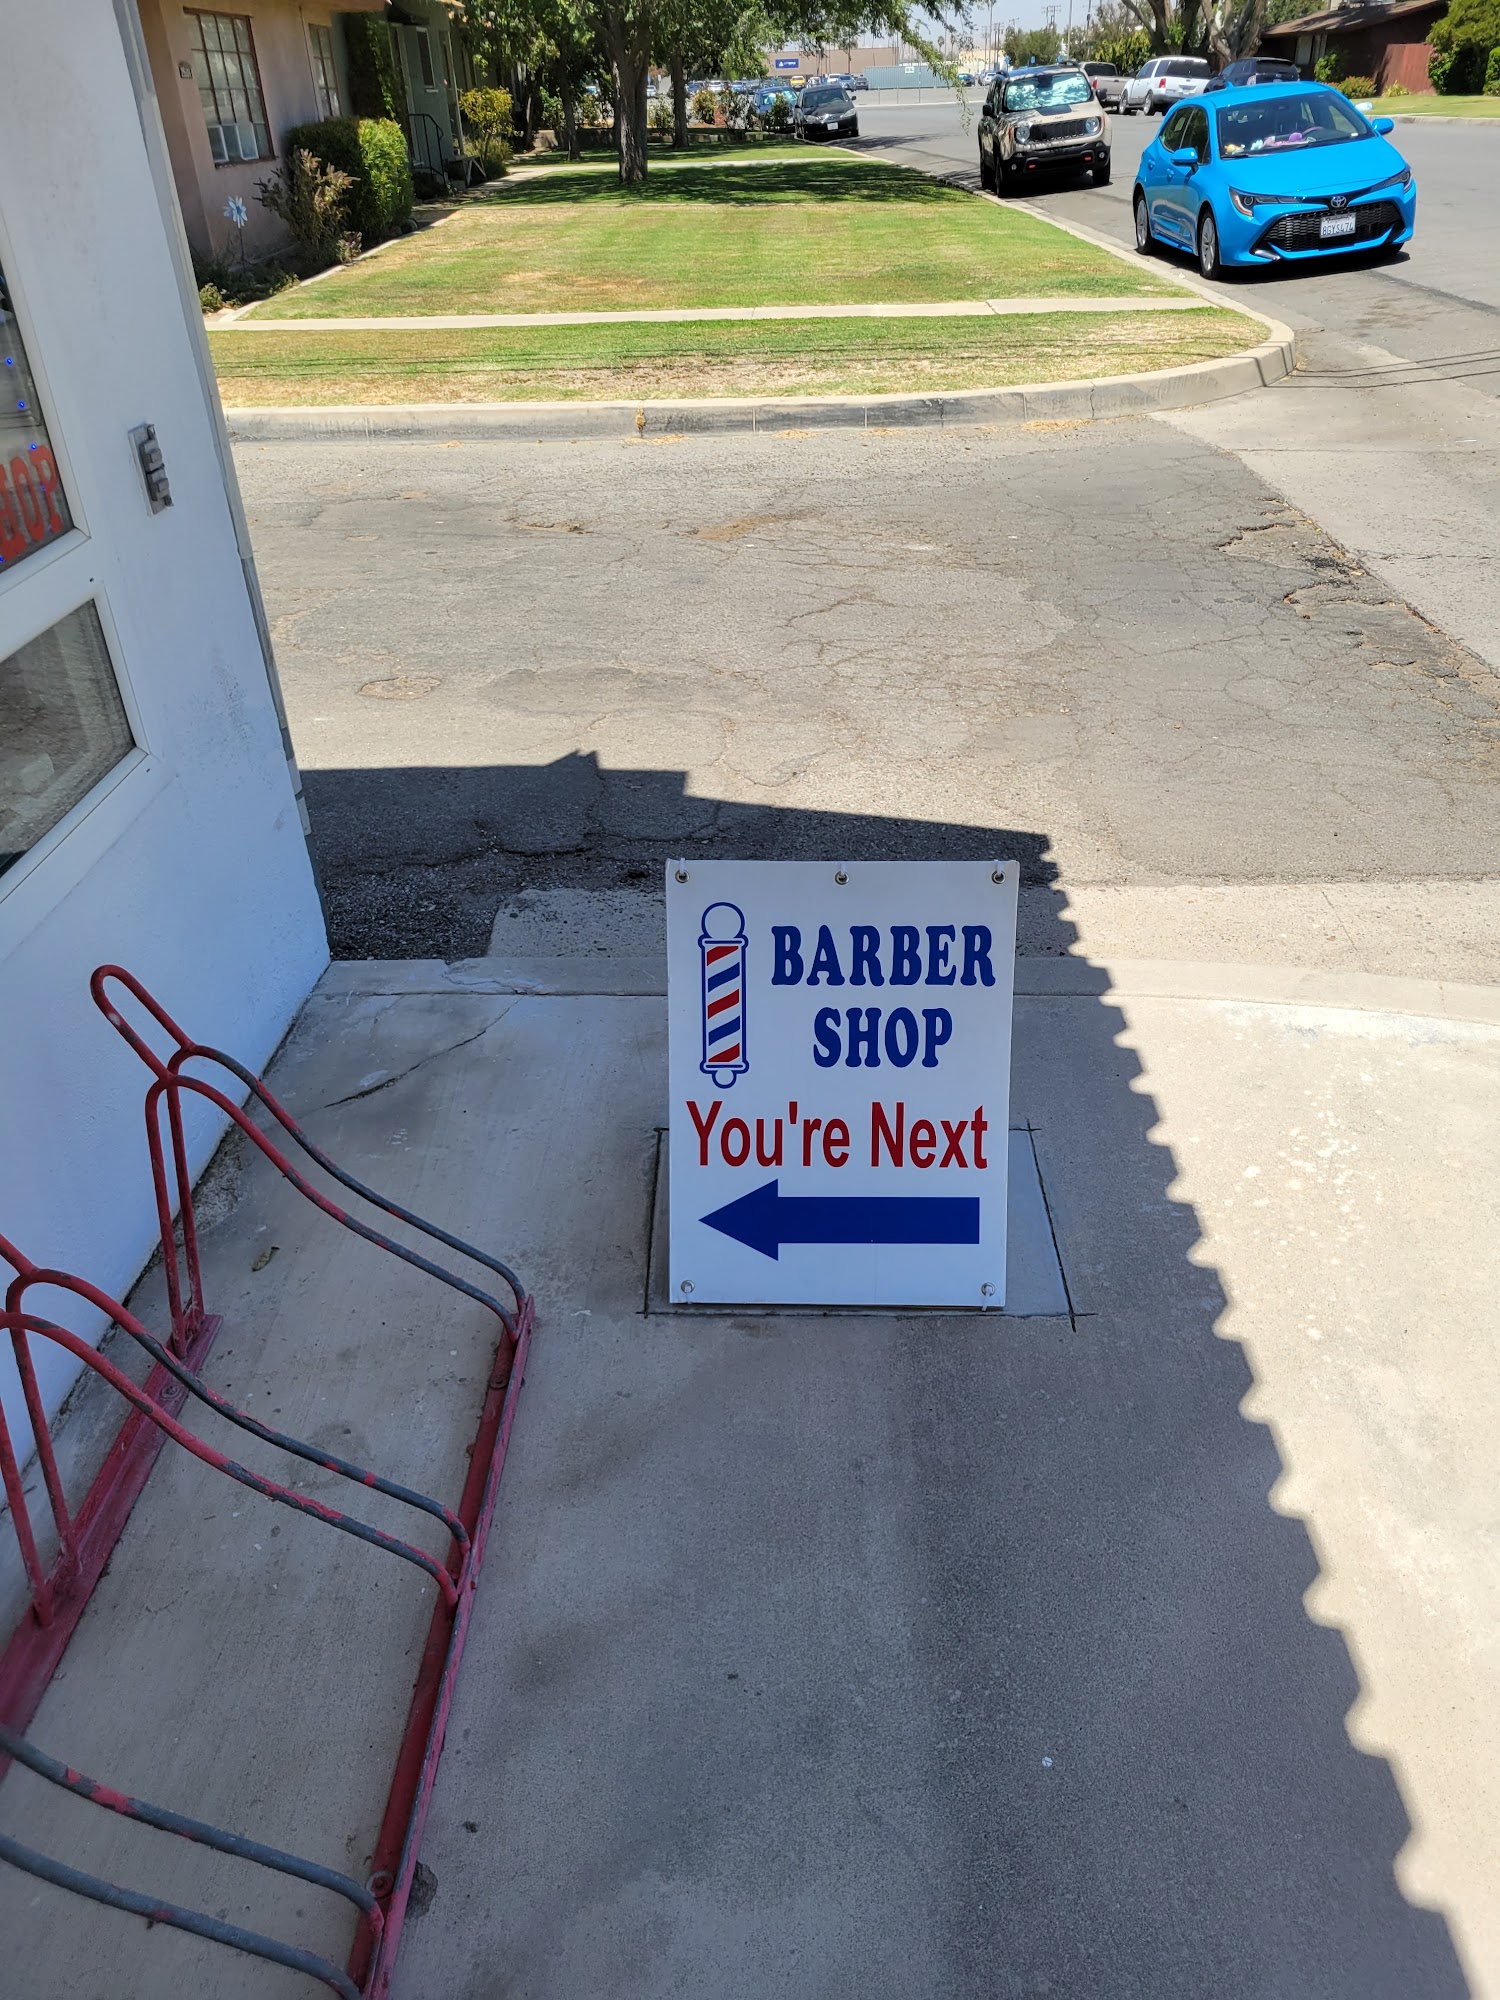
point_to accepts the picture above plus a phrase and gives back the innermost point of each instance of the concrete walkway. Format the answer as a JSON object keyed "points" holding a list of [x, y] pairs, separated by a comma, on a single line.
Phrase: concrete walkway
{"points": [[1146, 1650], [947, 309]]}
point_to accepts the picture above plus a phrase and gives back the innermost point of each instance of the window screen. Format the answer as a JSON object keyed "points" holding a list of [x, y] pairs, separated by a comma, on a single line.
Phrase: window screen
{"points": [[325, 75], [228, 81]]}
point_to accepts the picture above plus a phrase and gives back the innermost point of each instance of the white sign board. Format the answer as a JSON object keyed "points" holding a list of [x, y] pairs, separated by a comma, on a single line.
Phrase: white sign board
{"points": [[840, 1081]]}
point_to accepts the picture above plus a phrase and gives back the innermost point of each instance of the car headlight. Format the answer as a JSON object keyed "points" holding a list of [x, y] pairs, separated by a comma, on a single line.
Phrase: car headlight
{"points": [[1023, 133], [1090, 127], [1401, 180], [1247, 204]]}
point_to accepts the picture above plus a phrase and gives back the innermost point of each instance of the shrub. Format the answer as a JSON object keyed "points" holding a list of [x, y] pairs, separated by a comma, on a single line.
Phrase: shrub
{"points": [[311, 199], [1357, 86], [374, 91], [1126, 52], [779, 117], [1397, 90], [220, 284], [660, 116], [705, 106], [372, 152], [552, 110], [1492, 74], [1329, 68], [488, 115]]}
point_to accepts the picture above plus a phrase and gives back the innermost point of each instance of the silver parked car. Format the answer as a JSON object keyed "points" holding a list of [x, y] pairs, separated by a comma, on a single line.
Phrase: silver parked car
{"points": [[1107, 81], [1163, 82]]}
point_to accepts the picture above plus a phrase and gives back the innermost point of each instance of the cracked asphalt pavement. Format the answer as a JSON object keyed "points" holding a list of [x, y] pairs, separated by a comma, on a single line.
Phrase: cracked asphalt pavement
{"points": [[1111, 650]]}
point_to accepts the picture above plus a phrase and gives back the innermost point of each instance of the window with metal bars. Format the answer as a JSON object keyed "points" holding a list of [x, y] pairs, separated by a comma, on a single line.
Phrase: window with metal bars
{"points": [[325, 75], [228, 79]]}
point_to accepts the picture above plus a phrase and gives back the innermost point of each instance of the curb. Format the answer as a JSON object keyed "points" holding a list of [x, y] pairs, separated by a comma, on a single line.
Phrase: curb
{"points": [[542, 423], [1202, 982]]}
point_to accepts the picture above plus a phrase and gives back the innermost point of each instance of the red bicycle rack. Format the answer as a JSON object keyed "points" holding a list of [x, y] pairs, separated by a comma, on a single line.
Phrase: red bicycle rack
{"points": [[85, 1537]]}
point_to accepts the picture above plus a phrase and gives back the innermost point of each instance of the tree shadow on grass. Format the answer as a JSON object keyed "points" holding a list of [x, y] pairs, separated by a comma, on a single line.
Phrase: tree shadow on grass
{"points": [[723, 186]]}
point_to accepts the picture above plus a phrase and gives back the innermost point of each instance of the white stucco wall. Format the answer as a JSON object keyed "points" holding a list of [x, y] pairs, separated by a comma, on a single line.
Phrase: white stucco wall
{"points": [[192, 870]]}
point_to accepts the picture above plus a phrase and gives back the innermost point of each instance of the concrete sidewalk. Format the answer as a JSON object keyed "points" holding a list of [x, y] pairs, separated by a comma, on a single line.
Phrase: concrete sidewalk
{"points": [[1146, 1650], [673, 315]]}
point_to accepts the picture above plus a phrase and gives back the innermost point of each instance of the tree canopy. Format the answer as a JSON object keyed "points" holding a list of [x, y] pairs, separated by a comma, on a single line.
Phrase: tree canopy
{"points": [[565, 46]]}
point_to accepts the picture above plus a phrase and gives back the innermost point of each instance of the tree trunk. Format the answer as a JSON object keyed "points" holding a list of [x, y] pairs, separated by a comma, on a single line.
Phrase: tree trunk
{"points": [[679, 105], [570, 126], [629, 42]]}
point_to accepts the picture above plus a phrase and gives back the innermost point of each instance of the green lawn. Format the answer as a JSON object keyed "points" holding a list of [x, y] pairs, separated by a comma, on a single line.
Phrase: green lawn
{"points": [[716, 358], [812, 229], [1439, 107]]}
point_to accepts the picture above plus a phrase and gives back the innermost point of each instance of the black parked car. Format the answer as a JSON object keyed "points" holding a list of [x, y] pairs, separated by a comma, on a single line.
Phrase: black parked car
{"points": [[826, 113], [1254, 69]]}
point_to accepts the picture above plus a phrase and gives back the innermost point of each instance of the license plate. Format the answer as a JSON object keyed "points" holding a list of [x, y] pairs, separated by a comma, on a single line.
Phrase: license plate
{"points": [[1337, 225], [832, 124]]}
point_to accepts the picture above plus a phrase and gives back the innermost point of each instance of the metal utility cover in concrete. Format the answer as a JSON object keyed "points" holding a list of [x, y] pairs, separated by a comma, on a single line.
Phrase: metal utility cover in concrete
{"points": [[839, 1046]]}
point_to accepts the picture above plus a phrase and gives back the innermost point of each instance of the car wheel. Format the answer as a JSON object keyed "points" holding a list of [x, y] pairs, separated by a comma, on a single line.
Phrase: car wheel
{"points": [[1208, 246], [1101, 175], [1145, 243], [985, 177]]}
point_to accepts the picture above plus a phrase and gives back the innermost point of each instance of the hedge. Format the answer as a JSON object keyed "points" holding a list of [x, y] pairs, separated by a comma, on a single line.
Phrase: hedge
{"points": [[1492, 74], [1458, 72], [373, 152], [374, 89]]}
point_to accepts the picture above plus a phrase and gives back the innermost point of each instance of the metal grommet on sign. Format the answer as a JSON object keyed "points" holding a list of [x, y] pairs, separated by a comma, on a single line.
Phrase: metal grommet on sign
{"points": [[682, 874], [840, 877], [997, 875], [686, 1285], [986, 1291]]}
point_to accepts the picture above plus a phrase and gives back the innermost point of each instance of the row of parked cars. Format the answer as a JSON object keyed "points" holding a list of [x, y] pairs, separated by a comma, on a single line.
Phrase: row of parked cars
{"points": [[1165, 80]]}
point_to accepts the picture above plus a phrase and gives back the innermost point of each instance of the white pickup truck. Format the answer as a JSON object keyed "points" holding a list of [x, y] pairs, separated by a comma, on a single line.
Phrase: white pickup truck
{"points": [[1162, 82]]}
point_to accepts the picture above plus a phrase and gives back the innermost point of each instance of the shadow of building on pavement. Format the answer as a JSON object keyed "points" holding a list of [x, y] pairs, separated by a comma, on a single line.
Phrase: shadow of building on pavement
{"points": [[966, 1657]]}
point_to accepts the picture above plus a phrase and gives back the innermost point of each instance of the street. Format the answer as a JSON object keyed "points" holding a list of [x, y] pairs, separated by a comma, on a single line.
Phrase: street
{"points": [[1388, 435]]}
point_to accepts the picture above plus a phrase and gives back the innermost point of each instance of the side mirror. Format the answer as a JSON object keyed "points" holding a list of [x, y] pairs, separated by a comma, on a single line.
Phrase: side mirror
{"points": [[1384, 124], [1184, 156]]}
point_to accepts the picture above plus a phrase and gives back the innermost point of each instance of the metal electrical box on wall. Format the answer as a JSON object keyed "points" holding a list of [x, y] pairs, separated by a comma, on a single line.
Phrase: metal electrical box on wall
{"points": [[839, 1041]]}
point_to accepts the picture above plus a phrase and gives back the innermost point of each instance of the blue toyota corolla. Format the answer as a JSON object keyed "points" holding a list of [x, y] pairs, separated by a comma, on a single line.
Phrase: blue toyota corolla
{"points": [[1272, 172]]}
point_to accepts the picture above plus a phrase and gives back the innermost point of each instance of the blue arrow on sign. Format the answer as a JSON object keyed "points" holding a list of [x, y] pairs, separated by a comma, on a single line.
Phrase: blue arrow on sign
{"points": [[765, 1219]]}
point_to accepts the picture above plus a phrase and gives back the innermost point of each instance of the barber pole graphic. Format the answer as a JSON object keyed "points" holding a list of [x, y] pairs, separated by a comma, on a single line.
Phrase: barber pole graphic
{"points": [[721, 945]]}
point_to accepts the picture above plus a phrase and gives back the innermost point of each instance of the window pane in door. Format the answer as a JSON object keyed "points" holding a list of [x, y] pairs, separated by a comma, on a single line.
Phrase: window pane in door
{"points": [[62, 728], [33, 506]]}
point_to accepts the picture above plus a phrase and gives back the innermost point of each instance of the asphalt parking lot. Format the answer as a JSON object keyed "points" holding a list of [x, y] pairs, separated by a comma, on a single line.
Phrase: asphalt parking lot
{"points": [[1111, 649]]}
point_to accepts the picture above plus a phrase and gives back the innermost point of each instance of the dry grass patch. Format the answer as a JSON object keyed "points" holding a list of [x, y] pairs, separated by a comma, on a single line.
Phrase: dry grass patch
{"points": [[653, 361]]}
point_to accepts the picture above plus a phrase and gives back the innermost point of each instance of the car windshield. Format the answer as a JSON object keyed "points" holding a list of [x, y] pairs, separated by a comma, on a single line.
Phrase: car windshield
{"points": [[1288, 124], [823, 100], [1047, 93]]}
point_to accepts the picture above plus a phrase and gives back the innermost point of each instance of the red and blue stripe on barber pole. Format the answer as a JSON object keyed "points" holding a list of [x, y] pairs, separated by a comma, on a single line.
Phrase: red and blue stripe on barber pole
{"points": [[722, 945]]}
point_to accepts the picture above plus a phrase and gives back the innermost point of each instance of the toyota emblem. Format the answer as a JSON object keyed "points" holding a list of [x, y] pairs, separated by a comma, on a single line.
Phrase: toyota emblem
{"points": [[1338, 201]]}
